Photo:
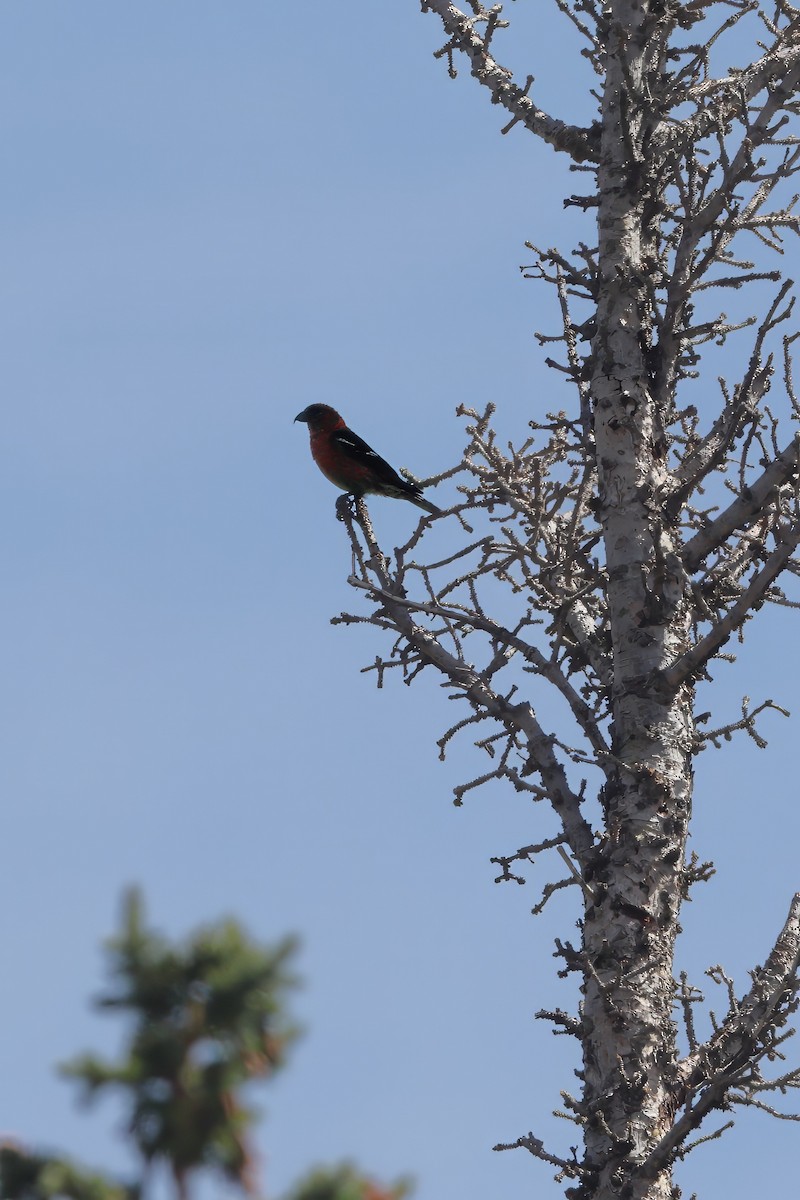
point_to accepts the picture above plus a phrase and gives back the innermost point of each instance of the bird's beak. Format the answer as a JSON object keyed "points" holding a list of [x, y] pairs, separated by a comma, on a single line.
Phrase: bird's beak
{"points": [[301, 416]]}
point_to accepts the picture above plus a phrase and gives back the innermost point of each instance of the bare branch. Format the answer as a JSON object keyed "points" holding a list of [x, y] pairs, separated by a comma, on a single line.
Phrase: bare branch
{"points": [[711, 1071], [747, 724], [545, 667], [535, 1146], [745, 508], [569, 1024], [777, 71], [691, 664], [580, 144], [516, 718], [524, 854]]}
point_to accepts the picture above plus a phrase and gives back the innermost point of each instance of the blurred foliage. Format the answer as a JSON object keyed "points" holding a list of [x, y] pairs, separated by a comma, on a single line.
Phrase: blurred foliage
{"points": [[25, 1176], [208, 1017], [345, 1183]]}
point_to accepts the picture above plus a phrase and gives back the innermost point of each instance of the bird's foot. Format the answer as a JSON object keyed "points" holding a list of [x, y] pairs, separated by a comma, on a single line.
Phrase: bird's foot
{"points": [[346, 507]]}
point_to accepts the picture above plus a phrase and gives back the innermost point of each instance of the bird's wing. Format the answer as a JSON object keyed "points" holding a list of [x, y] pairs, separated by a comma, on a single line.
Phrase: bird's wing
{"points": [[357, 449], [353, 445]]}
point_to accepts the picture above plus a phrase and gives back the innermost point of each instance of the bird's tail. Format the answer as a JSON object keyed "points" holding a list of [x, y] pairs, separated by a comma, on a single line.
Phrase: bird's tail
{"points": [[421, 502]]}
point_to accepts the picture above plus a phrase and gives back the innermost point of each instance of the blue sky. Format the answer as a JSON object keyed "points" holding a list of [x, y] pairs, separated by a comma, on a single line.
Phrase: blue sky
{"points": [[211, 216]]}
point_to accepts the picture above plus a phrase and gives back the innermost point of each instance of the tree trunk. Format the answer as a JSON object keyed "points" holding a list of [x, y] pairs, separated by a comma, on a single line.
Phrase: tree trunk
{"points": [[631, 925], [678, 178]]}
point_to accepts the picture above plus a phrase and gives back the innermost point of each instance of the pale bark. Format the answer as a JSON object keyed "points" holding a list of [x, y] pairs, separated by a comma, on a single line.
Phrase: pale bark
{"points": [[621, 581]]}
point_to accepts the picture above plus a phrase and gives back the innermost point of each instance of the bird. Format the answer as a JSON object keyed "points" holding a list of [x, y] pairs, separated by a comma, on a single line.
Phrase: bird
{"points": [[348, 462]]}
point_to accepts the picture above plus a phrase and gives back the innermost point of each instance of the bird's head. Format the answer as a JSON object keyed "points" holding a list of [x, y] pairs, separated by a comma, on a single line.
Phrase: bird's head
{"points": [[320, 416]]}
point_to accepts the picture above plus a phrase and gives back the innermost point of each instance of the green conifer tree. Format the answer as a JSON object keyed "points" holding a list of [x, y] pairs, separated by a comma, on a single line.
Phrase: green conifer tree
{"points": [[208, 1017]]}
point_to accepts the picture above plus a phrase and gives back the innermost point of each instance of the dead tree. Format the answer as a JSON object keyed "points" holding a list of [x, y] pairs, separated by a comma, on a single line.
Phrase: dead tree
{"points": [[623, 544]]}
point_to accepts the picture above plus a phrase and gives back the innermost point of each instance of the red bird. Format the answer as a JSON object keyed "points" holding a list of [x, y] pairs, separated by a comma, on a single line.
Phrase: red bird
{"points": [[347, 460]]}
